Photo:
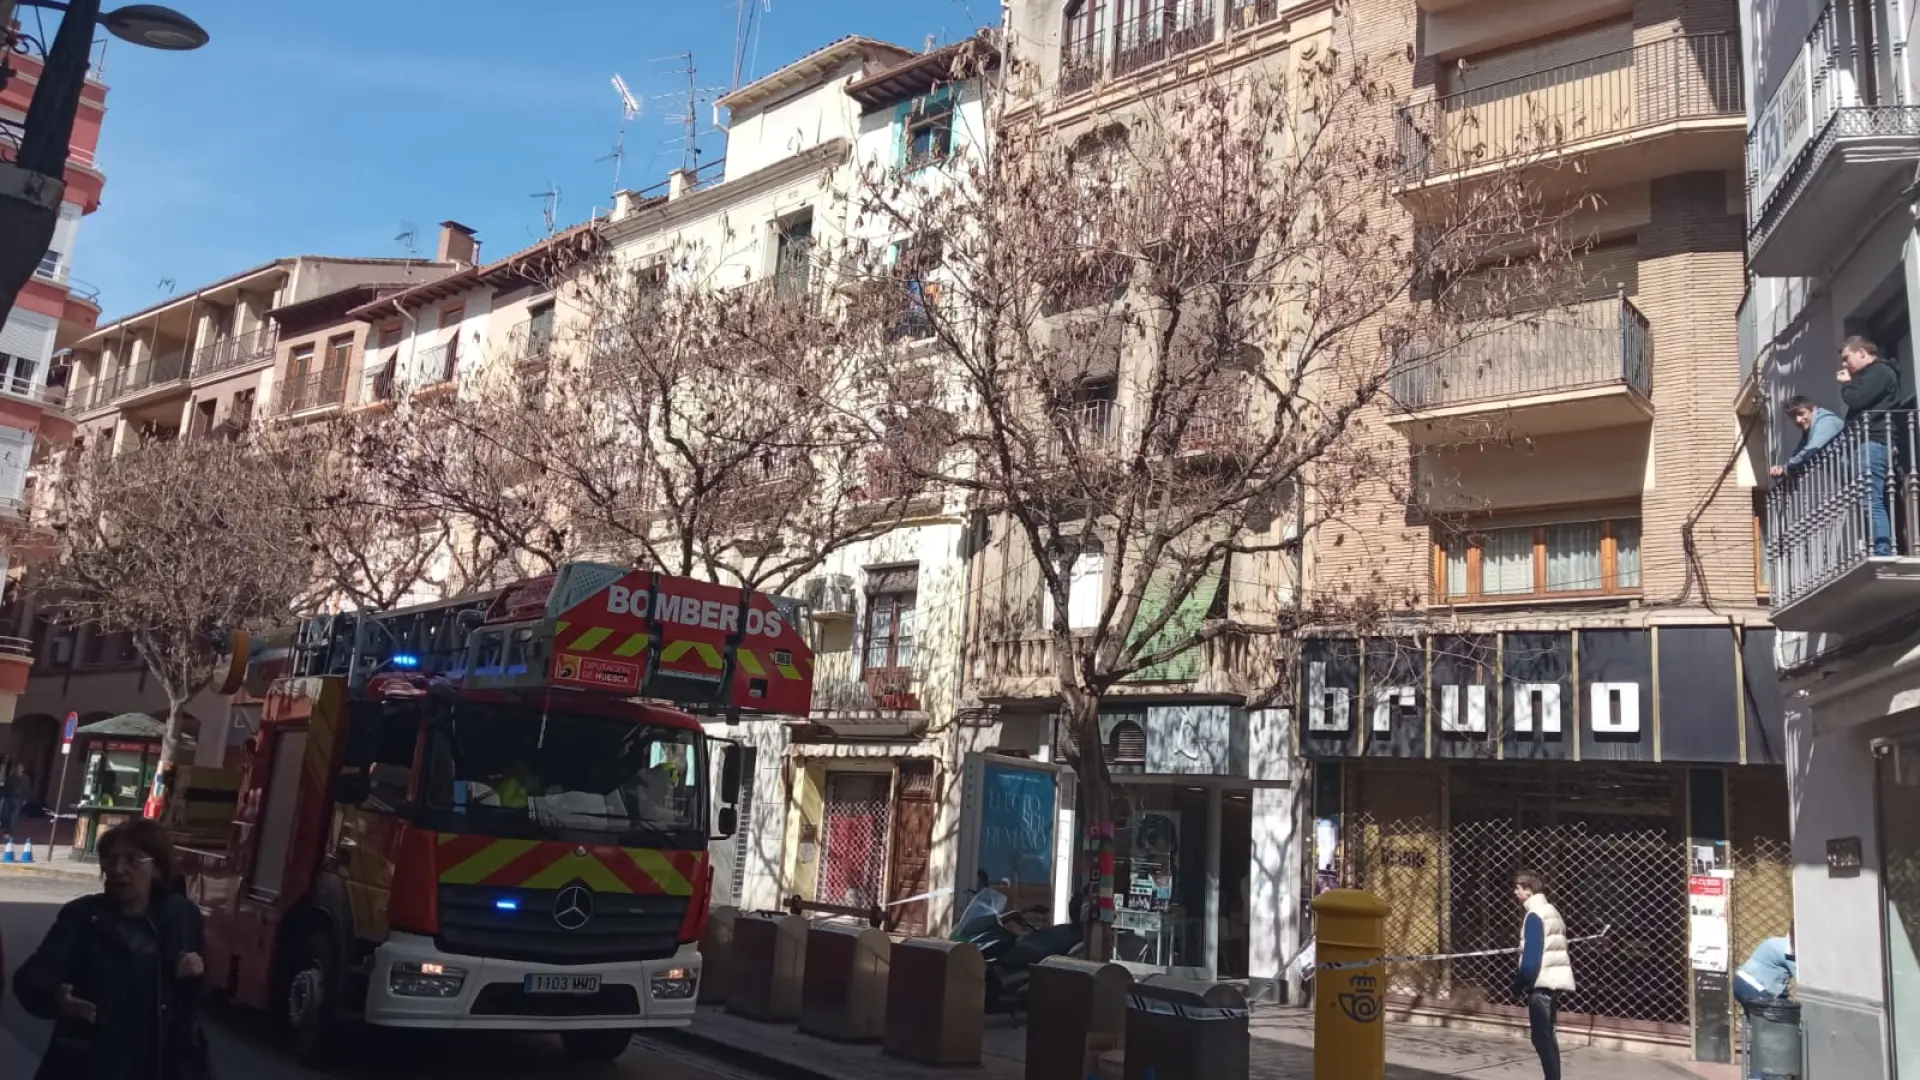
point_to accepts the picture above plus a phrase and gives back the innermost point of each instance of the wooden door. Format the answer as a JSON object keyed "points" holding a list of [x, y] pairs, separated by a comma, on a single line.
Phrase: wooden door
{"points": [[910, 862]]}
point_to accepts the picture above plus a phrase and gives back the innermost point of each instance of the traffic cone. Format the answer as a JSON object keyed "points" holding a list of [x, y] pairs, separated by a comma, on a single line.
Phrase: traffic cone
{"points": [[27, 855], [8, 856]]}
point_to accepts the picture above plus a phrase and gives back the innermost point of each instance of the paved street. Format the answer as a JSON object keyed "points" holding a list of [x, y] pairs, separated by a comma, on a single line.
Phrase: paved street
{"points": [[244, 1045]]}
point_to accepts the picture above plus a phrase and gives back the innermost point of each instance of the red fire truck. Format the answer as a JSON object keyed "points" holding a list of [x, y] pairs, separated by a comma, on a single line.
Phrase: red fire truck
{"points": [[478, 815]]}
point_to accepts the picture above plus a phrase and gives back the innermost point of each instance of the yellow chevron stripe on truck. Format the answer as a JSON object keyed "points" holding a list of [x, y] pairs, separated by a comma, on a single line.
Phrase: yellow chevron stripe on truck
{"points": [[594, 638]]}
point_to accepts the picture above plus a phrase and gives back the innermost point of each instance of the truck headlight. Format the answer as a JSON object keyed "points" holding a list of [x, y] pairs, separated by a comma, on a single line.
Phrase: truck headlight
{"points": [[425, 979], [675, 984]]}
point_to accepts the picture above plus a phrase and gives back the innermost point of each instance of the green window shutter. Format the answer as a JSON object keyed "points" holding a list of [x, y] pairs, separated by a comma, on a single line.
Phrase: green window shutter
{"points": [[901, 113], [1184, 624]]}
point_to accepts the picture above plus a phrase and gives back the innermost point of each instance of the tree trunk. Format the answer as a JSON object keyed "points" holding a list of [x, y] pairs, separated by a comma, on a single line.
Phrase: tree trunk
{"points": [[167, 770], [1096, 817]]}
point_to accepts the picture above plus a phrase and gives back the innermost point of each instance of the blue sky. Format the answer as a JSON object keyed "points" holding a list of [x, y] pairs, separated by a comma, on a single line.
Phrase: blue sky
{"points": [[330, 126]]}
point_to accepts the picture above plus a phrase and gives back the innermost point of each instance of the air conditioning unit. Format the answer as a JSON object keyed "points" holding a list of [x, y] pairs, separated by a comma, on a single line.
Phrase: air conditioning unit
{"points": [[829, 596]]}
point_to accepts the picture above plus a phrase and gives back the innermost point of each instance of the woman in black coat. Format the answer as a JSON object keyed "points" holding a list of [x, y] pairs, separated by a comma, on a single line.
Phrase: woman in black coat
{"points": [[120, 972]]}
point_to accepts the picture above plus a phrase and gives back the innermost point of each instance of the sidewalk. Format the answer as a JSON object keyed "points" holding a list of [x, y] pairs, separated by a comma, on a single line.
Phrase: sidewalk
{"points": [[1282, 1050]]}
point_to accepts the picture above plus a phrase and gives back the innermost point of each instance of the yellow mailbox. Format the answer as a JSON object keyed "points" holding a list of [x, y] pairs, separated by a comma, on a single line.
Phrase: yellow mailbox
{"points": [[1349, 1036]]}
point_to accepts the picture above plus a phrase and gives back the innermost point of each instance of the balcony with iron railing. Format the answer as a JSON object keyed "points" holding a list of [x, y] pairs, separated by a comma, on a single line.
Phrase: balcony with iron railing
{"points": [[1668, 106], [384, 387], [1580, 368], [1837, 130], [437, 366], [1083, 429], [140, 382], [312, 391], [236, 351], [1843, 530], [530, 341], [1091, 52]]}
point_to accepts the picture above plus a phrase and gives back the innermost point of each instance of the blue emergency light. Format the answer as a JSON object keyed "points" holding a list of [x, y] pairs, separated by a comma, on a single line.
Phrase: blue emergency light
{"points": [[507, 903], [405, 660]]}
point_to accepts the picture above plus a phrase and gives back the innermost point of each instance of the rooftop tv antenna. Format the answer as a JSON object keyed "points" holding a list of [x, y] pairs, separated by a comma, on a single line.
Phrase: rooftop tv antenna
{"points": [[405, 238], [630, 109], [746, 36], [550, 207], [688, 117]]}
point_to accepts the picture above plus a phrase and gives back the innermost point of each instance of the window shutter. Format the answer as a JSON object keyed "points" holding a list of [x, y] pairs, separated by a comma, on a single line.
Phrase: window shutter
{"points": [[1086, 590], [28, 335], [1185, 623]]}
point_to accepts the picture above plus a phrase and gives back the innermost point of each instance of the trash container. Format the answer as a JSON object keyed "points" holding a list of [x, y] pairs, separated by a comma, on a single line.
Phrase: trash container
{"points": [[1774, 1041], [1184, 1029]]}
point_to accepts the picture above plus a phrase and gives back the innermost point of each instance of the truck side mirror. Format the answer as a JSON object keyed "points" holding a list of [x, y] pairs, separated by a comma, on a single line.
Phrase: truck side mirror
{"points": [[352, 789], [729, 822], [730, 768]]}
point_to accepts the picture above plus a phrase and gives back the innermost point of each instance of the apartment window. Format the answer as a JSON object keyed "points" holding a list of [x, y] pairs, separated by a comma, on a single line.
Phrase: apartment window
{"points": [[49, 265], [301, 363], [339, 351], [203, 417], [793, 256], [891, 593], [390, 335], [1567, 559], [1086, 590], [927, 128], [914, 262], [1762, 571], [539, 331], [450, 319], [16, 373]]}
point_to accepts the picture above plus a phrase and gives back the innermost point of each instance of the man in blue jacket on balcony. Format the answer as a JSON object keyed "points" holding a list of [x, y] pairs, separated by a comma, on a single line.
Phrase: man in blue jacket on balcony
{"points": [[1869, 386], [1817, 426]]}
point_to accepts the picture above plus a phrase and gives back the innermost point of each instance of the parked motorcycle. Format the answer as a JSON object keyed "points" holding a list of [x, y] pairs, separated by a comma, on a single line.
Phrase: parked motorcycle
{"points": [[1011, 944]]}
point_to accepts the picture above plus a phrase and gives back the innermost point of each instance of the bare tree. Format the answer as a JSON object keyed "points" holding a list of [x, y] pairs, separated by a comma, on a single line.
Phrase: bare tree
{"points": [[681, 420], [1154, 347], [173, 543]]}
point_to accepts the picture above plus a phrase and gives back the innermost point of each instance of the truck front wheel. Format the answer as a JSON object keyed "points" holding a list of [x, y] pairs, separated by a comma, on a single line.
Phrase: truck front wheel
{"points": [[312, 998], [595, 1047]]}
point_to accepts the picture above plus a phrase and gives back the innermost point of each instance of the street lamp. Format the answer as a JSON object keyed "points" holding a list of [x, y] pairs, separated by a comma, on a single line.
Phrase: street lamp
{"points": [[33, 184]]}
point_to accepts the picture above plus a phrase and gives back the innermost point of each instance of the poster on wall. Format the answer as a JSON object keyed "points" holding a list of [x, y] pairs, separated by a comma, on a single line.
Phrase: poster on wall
{"points": [[1016, 849], [1707, 937]]}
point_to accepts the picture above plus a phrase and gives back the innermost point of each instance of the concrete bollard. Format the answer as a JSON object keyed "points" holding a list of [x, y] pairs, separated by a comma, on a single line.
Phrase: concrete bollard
{"points": [[844, 992], [1186, 1029], [769, 961], [716, 955], [1069, 1002], [935, 990]]}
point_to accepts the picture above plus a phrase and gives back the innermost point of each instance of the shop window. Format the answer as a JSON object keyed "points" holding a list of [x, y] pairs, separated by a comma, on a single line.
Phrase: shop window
{"points": [[1561, 560]]}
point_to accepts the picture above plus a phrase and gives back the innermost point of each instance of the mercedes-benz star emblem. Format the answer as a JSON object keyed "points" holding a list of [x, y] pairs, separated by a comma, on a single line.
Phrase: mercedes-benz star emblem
{"points": [[573, 908]]}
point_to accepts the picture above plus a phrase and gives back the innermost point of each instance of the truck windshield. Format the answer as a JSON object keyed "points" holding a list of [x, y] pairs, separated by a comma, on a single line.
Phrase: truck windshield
{"points": [[518, 771]]}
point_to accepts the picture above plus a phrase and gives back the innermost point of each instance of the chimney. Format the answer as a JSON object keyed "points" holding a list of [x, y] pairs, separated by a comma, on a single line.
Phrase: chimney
{"points": [[680, 182], [624, 202], [457, 244]]}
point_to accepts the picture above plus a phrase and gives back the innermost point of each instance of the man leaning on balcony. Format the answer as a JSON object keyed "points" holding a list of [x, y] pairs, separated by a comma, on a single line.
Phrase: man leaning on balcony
{"points": [[1869, 385], [1817, 426]]}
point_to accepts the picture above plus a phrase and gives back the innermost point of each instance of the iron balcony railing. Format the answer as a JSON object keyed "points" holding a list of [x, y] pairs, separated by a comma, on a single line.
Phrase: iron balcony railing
{"points": [[438, 365], [1827, 93], [1082, 58], [171, 367], [530, 340], [314, 390], [1165, 30], [237, 350], [384, 385], [1582, 346], [1853, 499], [1690, 77]]}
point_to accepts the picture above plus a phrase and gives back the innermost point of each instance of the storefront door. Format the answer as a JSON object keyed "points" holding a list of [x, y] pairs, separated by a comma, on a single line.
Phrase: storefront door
{"points": [[1899, 798], [853, 854]]}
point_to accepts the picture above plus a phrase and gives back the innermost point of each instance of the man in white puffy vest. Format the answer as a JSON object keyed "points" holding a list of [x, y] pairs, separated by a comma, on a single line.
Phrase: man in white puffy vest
{"points": [[1546, 968]]}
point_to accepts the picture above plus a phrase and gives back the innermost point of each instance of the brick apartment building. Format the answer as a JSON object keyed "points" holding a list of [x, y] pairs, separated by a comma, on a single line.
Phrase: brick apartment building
{"points": [[1588, 686]]}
